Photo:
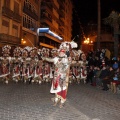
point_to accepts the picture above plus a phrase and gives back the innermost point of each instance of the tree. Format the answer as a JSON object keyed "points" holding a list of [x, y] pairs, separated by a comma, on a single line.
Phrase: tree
{"points": [[114, 21]]}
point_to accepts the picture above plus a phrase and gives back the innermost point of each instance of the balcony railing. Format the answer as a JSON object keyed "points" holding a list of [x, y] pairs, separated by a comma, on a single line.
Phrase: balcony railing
{"points": [[48, 4], [7, 12], [45, 17], [30, 13], [17, 17], [9, 39], [10, 14]]}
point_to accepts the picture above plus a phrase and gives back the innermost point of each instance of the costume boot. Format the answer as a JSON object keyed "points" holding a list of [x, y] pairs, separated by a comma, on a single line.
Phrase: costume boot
{"points": [[61, 104], [56, 100]]}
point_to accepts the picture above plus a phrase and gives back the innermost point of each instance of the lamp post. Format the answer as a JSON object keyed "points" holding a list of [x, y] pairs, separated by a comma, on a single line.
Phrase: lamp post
{"points": [[23, 41], [99, 25]]}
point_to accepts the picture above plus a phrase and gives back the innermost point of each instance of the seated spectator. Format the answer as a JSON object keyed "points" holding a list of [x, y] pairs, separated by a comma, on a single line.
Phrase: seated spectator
{"points": [[115, 65], [90, 75], [96, 78], [103, 75], [115, 81], [107, 80]]}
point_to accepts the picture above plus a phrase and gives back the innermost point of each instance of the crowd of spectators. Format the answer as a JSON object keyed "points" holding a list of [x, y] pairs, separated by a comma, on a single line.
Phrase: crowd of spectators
{"points": [[103, 71]]}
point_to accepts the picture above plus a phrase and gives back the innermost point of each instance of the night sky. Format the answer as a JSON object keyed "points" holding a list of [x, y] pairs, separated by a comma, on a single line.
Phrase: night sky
{"points": [[86, 12], [87, 9]]}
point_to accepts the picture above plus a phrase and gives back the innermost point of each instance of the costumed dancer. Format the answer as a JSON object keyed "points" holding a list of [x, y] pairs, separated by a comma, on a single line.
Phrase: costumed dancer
{"points": [[24, 64], [61, 74], [5, 64], [46, 65], [16, 61], [83, 68], [32, 64], [38, 76]]}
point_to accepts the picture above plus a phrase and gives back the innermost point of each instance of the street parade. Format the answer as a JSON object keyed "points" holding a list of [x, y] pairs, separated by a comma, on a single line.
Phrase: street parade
{"points": [[30, 65]]}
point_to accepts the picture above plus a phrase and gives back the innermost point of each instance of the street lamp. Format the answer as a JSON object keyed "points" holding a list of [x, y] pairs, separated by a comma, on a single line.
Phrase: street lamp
{"points": [[23, 41], [88, 41]]}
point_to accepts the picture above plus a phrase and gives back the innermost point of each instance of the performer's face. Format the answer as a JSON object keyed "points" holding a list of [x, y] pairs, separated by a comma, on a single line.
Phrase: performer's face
{"points": [[62, 54]]}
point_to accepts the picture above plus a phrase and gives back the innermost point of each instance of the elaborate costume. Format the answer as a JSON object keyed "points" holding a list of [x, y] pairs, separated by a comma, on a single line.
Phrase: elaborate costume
{"points": [[62, 64], [5, 63], [16, 61]]}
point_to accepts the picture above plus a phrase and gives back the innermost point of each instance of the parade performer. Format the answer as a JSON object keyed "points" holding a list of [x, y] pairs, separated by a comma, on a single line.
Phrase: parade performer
{"points": [[16, 61], [61, 74], [5, 63], [38, 75], [46, 65], [24, 64], [32, 64]]}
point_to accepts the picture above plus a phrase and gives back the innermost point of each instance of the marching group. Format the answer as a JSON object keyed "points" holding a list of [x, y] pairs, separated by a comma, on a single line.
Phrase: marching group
{"points": [[29, 64], [57, 66]]}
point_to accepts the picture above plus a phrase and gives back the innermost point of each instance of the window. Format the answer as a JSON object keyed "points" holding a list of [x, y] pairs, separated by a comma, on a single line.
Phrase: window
{"points": [[30, 6], [16, 7], [7, 3], [5, 26], [15, 30], [29, 23]]}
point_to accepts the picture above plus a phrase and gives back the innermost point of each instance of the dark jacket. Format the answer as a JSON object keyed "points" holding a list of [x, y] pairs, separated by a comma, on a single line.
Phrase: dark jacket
{"points": [[103, 74]]}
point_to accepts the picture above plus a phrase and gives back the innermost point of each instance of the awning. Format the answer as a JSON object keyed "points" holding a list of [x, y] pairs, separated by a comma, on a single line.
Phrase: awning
{"points": [[48, 31]]}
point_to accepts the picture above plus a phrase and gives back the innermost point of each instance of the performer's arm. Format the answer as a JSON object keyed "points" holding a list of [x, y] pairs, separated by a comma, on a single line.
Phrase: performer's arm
{"points": [[48, 59]]}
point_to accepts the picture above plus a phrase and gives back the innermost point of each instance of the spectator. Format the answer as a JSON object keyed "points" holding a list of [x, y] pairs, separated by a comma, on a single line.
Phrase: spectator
{"points": [[96, 78], [90, 75], [107, 80], [116, 81], [103, 75], [115, 65]]}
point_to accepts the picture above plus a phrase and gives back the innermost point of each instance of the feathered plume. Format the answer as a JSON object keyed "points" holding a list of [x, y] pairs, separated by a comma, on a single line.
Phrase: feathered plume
{"points": [[73, 44]]}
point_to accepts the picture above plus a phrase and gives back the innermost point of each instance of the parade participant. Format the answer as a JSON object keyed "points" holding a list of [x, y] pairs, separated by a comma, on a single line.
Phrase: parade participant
{"points": [[5, 63], [38, 76], [46, 65], [32, 64], [61, 74], [24, 64], [16, 60]]}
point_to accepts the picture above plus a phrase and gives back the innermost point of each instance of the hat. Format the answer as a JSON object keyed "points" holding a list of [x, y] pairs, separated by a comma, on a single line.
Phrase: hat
{"points": [[17, 52], [6, 50]]}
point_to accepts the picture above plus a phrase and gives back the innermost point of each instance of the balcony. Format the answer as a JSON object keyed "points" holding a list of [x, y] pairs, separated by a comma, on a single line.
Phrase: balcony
{"points": [[10, 14], [46, 4], [62, 14], [61, 2], [17, 17], [46, 18], [4, 38], [7, 12], [30, 13]]}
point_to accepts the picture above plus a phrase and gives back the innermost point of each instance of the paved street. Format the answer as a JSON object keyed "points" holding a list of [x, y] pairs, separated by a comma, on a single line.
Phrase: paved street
{"points": [[33, 102]]}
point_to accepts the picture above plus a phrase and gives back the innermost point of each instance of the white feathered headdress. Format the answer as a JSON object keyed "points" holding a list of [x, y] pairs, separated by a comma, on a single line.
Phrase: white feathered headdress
{"points": [[68, 45], [73, 44]]}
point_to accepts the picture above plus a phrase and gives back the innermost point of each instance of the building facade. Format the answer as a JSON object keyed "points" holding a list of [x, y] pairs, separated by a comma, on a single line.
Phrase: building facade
{"points": [[20, 19], [10, 22], [57, 16]]}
